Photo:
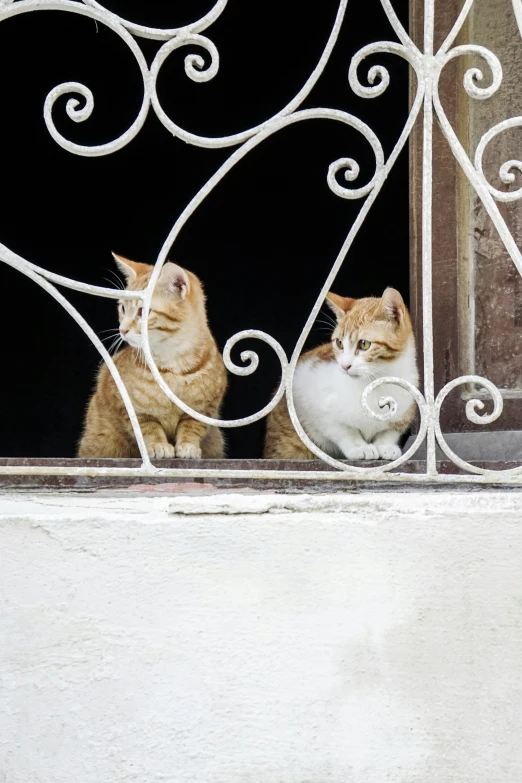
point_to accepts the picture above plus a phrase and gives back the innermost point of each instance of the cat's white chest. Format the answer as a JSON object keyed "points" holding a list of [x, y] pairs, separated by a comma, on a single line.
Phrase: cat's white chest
{"points": [[327, 399]]}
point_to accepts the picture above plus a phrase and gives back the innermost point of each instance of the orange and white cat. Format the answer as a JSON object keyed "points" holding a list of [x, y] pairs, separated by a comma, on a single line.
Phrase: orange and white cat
{"points": [[188, 359], [373, 338]]}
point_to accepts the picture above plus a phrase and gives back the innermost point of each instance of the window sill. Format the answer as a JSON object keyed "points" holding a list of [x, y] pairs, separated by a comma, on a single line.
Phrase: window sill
{"points": [[57, 474]]}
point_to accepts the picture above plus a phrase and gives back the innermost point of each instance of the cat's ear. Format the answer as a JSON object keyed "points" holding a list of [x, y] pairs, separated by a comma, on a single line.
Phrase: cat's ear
{"points": [[175, 280], [392, 305], [339, 304], [130, 269]]}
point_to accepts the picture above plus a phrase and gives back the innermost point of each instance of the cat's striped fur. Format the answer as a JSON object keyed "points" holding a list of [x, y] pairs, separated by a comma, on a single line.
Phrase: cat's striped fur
{"points": [[188, 359]]}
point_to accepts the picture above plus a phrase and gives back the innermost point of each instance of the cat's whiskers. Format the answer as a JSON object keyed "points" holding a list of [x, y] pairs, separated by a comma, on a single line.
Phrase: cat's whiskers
{"points": [[116, 281], [112, 329], [329, 319], [324, 325], [116, 345], [114, 335], [139, 357], [369, 375]]}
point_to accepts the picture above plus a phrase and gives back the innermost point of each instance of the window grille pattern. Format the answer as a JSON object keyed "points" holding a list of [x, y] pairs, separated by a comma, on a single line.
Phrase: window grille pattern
{"points": [[426, 65]]}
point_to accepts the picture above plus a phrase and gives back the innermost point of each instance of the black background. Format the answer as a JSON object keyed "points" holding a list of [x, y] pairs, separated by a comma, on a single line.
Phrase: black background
{"points": [[262, 243]]}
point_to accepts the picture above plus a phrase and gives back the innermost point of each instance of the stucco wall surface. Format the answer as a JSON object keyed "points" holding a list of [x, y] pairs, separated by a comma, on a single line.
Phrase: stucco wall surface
{"points": [[338, 639]]}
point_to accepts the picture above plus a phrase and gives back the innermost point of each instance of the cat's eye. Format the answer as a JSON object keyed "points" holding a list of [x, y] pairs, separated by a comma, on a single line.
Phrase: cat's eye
{"points": [[363, 345], [339, 343], [122, 309]]}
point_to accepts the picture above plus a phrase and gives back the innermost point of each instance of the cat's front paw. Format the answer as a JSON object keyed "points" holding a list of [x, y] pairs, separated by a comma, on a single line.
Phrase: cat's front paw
{"points": [[188, 451], [389, 452], [161, 451], [368, 451]]}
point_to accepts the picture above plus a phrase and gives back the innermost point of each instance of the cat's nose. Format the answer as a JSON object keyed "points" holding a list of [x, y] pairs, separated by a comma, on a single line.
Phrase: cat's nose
{"points": [[347, 367], [124, 332]]}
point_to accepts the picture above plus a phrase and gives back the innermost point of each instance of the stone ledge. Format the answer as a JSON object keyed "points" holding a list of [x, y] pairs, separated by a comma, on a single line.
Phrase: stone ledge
{"points": [[104, 508]]}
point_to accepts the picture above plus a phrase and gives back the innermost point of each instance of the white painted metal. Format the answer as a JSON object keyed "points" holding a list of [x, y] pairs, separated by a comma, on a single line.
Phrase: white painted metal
{"points": [[427, 66]]}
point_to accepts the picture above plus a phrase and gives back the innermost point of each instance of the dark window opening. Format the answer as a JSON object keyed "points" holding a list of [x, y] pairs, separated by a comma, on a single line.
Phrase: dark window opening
{"points": [[262, 243]]}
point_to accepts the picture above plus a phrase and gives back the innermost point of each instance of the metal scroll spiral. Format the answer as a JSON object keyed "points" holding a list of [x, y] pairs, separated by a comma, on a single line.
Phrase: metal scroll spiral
{"points": [[508, 170], [163, 34], [195, 68], [472, 406]]}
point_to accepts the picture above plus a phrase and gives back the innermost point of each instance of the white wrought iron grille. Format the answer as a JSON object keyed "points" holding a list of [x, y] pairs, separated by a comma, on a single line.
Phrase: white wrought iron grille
{"points": [[427, 66]]}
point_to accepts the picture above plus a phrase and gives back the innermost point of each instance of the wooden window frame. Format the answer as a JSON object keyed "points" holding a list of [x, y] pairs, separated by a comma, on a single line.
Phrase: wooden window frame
{"points": [[453, 266]]}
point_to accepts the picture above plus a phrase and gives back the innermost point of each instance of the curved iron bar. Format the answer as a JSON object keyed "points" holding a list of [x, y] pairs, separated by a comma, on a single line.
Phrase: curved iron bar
{"points": [[11, 260], [428, 67], [507, 169], [472, 406], [164, 34], [74, 112], [194, 69]]}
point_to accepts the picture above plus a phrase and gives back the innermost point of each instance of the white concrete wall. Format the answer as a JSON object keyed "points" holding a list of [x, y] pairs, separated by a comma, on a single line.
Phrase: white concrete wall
{"points": [[370, 639]]}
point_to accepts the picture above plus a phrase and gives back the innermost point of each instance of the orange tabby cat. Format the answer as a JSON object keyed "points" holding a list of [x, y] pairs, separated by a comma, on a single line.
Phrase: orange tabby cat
{"points": [[188, 359], [373, 338]]}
